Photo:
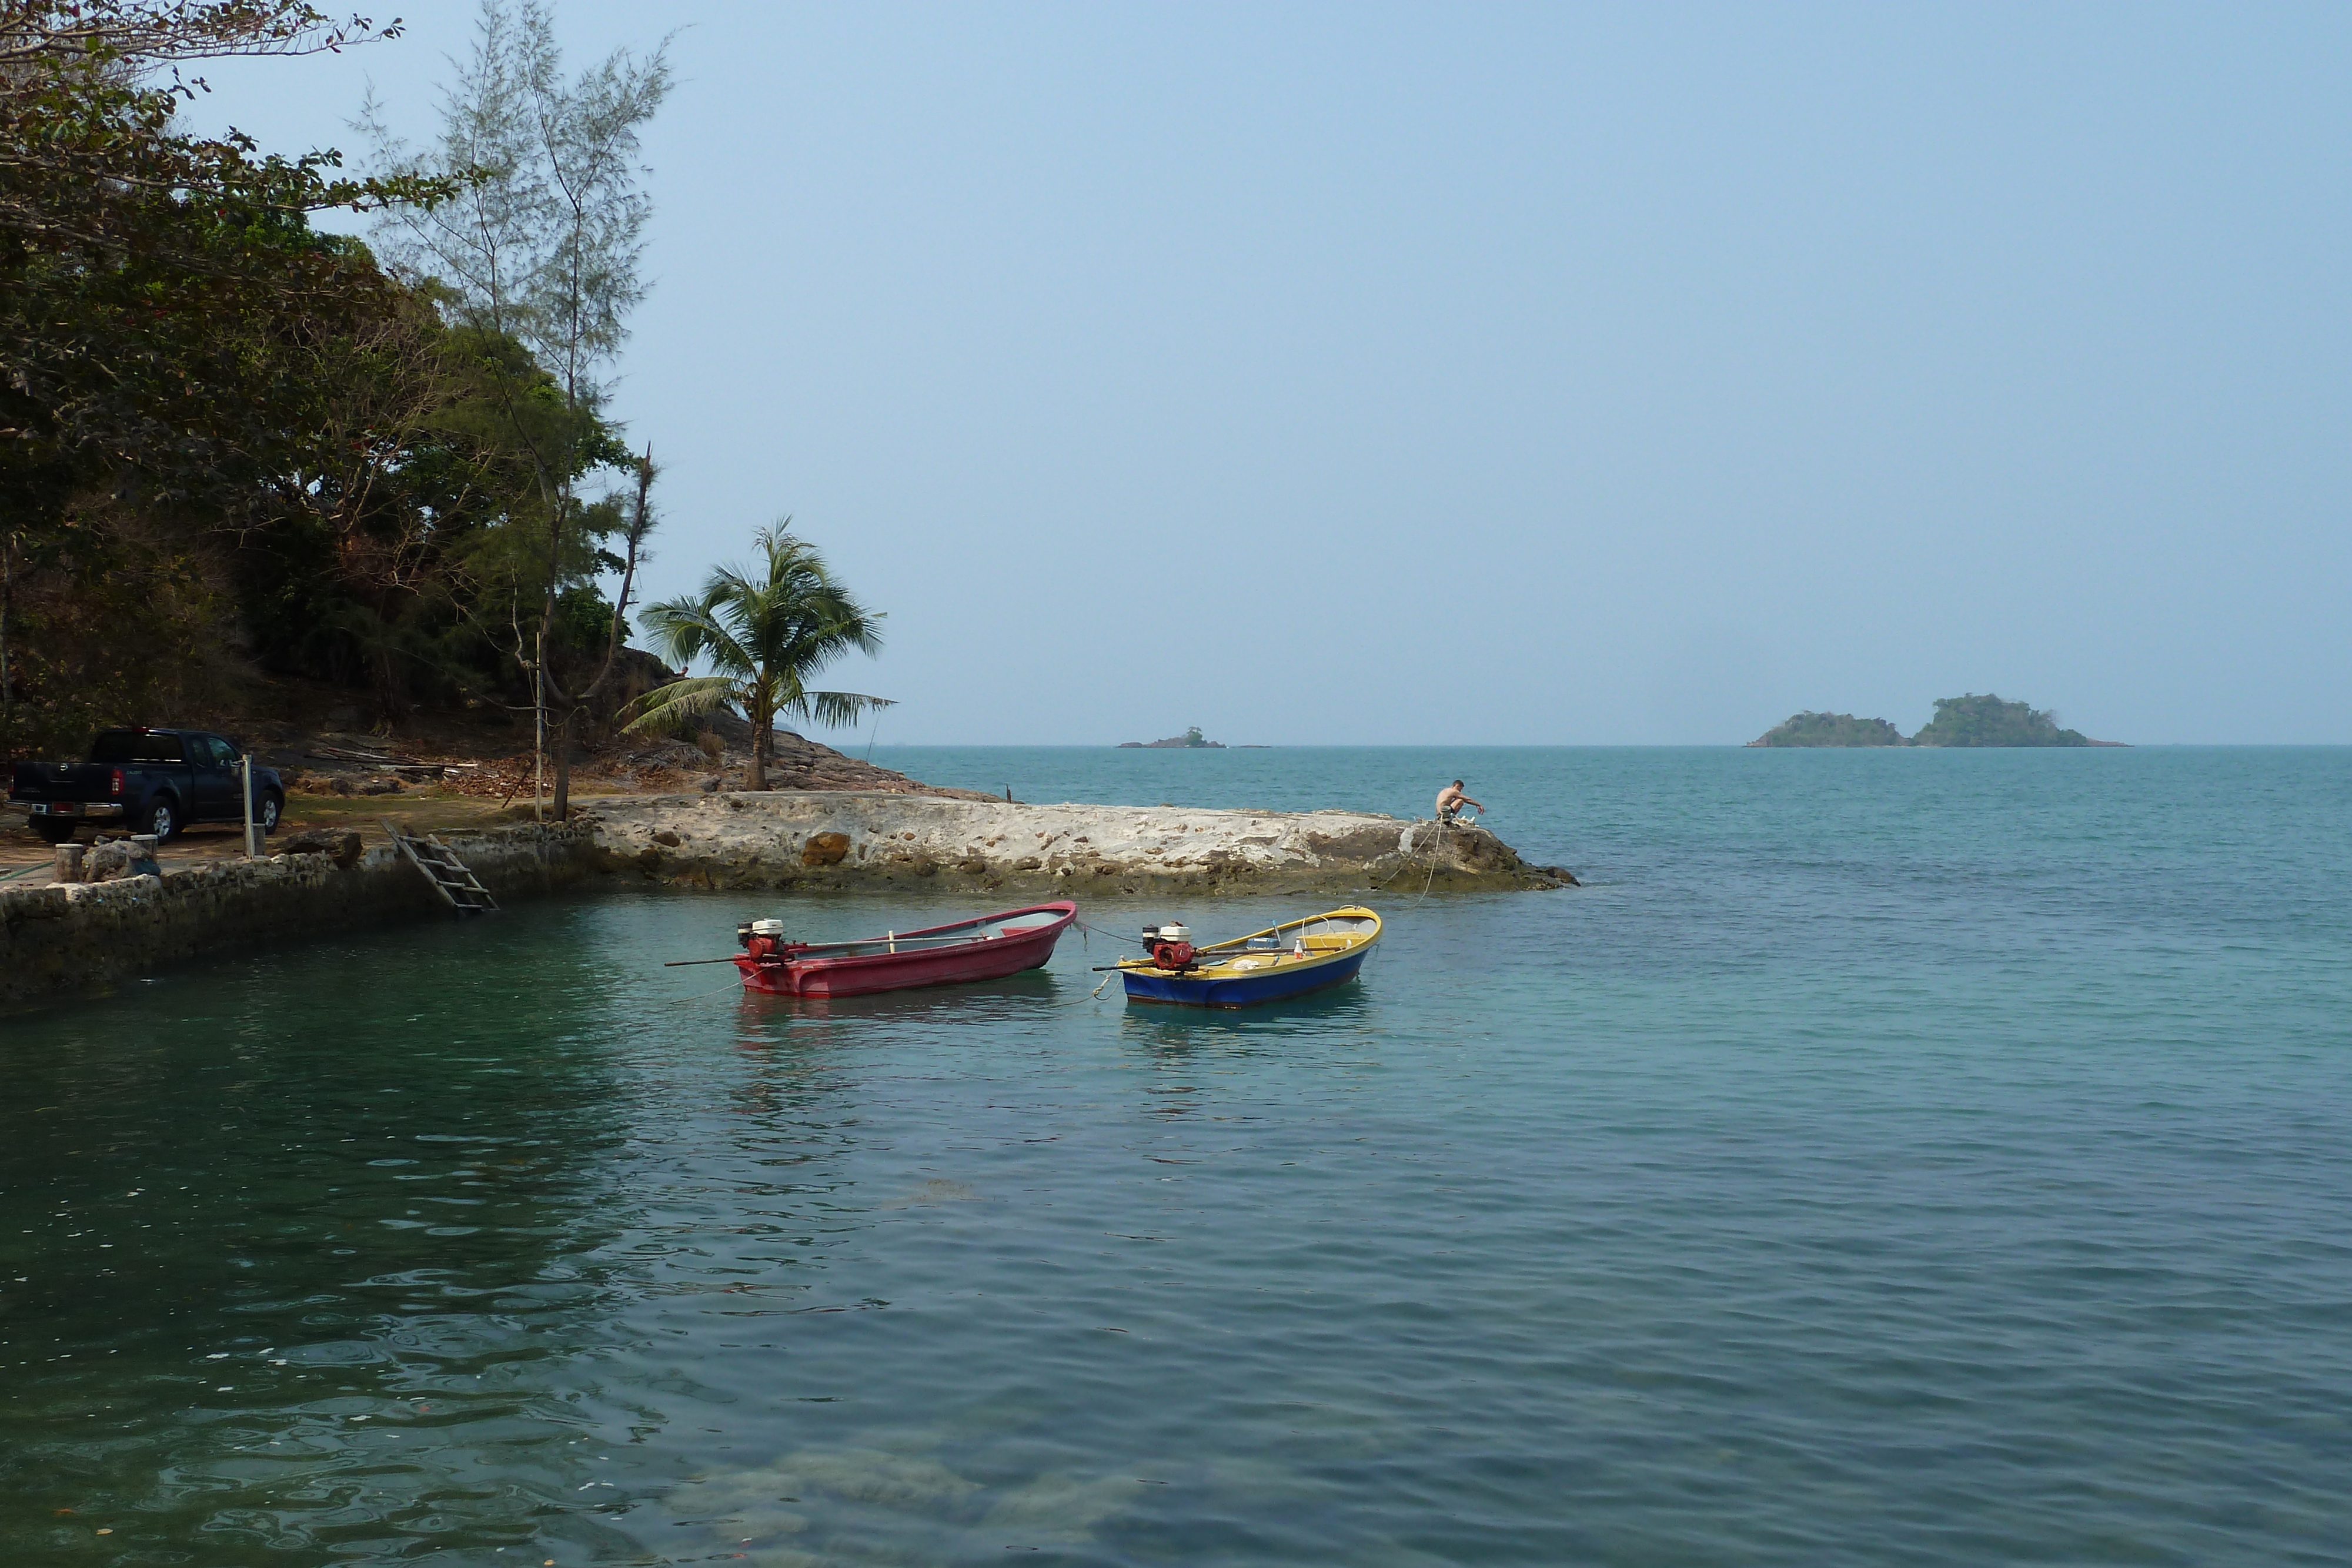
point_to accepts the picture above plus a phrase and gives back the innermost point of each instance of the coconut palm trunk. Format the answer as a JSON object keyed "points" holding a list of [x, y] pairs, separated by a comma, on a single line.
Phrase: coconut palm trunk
{"points": [[763, 742]]}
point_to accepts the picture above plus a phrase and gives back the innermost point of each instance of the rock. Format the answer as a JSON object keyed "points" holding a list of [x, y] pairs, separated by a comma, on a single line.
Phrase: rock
{"points": [[825, 849], [113, 861], [711, 785], [345, 846], [381, 787], [341, 786], [818, 838]]}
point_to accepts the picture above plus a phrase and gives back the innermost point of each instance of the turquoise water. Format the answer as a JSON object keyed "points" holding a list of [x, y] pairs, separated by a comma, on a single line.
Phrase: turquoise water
{"points": [[1892, 1157]]}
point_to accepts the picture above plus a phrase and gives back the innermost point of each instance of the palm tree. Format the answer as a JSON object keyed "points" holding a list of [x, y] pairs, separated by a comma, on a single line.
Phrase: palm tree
{"points": [[765, 634]]}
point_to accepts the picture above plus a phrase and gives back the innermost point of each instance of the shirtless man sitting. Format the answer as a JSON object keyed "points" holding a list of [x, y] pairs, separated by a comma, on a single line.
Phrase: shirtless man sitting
{"points": [[1450, 801]]}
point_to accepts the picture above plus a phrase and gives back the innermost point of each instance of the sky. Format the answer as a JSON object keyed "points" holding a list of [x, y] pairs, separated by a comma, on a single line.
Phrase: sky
{"points": [[1441, 374]]}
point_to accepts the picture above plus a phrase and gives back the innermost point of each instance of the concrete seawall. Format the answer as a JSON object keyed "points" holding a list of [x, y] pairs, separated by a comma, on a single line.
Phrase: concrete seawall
{"points": [[839, 838], [83, 939]]}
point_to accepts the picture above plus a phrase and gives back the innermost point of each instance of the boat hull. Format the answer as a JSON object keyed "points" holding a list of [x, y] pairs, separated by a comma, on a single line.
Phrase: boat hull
{"points": [[1001, 945], [1241, 990], [1323, 950]]}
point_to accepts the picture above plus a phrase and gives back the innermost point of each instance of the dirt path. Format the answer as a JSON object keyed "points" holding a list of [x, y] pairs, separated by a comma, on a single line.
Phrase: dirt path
{"points": [[423, 811]]}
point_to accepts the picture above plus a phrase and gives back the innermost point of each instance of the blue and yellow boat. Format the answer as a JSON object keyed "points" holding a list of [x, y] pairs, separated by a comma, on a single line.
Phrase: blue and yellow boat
{"points": [[1269, 966]]}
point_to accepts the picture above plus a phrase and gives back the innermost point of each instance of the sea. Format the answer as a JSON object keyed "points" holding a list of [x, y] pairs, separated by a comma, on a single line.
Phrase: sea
{"points": [[1887, 1157]]}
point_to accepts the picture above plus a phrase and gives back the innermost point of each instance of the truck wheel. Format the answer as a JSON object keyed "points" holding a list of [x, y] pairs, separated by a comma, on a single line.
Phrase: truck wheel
{"points": [[164, 819], [272, 806], [53, 833]]}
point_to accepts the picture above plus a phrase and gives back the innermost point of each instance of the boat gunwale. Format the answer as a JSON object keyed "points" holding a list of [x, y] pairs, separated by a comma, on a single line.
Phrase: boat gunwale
{"points": [[1064, 910]]}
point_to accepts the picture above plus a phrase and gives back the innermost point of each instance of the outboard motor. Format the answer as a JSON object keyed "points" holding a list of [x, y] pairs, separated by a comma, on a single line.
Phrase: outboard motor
{"points": [[761, 940], [1171, 946]]}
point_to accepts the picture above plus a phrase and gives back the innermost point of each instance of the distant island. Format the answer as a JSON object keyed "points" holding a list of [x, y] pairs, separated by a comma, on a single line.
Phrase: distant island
{"points": [[1831, 730], [1188, 741], [1970, 720]]}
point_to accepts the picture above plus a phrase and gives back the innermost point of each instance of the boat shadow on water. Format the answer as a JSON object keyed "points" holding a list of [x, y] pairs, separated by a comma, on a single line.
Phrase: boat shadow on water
{"points": [[1339, 1010], [975, 1001]]}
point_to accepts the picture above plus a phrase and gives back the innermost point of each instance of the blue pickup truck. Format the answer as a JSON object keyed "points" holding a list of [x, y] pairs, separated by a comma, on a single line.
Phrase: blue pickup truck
{"points": [[148, 781]]}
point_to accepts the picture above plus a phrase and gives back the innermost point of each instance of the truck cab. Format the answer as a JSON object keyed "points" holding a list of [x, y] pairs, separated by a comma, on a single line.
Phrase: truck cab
{"points": [[147, 782]]}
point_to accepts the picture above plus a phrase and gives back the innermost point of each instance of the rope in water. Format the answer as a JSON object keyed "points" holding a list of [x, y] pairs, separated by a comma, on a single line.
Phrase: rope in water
{"points": [[735, 985]]}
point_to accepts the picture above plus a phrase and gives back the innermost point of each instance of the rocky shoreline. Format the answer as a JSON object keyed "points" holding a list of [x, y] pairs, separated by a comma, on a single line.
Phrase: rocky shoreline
{"points": [[82, 938], [847, 838]]}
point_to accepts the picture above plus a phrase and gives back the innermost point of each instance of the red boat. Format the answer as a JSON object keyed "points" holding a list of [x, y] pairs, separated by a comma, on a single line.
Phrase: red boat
{"points": [[988, 949]]}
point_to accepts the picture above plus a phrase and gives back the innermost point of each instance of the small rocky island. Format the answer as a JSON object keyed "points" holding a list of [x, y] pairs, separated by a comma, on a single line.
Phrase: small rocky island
{"points": [[1188, 741], [1970, 720]]}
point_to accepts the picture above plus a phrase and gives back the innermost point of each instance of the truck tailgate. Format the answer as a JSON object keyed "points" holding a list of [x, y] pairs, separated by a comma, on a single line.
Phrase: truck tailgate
{"points": [[45, 781]]}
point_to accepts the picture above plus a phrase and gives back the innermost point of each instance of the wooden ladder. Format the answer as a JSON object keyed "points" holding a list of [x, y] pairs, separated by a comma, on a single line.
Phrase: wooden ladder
{"points": [[439, 862]]}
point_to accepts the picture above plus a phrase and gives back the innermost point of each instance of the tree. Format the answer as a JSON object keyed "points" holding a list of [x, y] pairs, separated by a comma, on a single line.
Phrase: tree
{"points": [[164, 303], [542, 244], [766, 632]]}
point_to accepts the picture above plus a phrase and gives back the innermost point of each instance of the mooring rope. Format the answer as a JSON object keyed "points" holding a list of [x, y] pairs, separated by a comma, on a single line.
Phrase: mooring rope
{"points": [[1405, 864], [734, 985], [1431, 881]]}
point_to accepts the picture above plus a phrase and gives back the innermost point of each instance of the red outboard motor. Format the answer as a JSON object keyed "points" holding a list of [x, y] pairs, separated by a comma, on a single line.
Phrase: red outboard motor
{"points": [[762, 941], [1170, 947]]}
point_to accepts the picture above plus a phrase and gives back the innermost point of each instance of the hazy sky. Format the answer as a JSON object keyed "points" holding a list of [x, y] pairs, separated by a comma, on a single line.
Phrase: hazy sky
{"points": [[1442, 373]]}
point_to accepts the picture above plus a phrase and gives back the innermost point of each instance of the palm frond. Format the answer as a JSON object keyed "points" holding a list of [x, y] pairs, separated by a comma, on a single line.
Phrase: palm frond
{"points": [[686, 627], [772, 627], [689, 698], [833, 709]]}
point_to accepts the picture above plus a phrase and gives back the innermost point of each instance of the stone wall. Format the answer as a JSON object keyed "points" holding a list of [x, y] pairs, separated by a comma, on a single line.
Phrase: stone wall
{"points": [[81, 938]]}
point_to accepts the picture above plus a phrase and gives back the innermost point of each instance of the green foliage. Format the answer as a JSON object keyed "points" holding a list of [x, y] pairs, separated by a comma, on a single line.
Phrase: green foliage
{"points": [[160, 292], [765, 632], [1974, 720], [108, 623], [543, 237], [1831, 730], [225, 436]]}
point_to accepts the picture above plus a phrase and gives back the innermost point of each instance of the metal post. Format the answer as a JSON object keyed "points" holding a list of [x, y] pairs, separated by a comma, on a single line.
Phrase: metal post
{"points": [[244, 767], [539, 730]]}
